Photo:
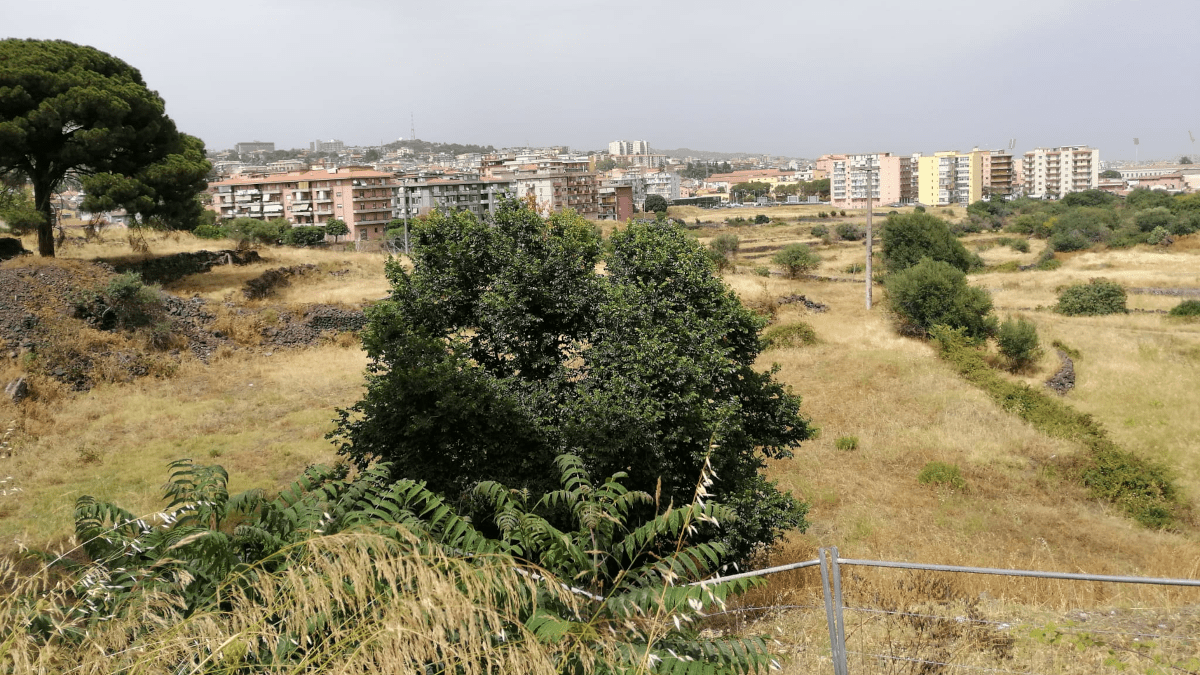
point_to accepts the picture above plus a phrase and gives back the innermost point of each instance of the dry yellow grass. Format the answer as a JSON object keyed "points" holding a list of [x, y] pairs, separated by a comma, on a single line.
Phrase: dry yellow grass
{"points": [[1137, 376]]}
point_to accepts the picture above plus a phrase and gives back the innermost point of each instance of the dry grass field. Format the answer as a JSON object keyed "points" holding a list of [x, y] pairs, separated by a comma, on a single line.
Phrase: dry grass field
{"points": [[264, 418]]}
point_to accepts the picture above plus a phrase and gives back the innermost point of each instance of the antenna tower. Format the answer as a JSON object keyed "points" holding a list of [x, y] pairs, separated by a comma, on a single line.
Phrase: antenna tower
{"points": [[412, 130]]}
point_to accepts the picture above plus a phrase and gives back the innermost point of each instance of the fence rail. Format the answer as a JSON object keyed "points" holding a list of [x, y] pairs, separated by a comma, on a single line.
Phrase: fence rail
{"points": [[831, 585]]}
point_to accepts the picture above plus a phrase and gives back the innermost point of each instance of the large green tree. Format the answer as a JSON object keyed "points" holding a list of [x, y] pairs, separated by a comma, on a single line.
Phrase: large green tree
{"points": [[505, 347], [909, 237], [67, 109]]}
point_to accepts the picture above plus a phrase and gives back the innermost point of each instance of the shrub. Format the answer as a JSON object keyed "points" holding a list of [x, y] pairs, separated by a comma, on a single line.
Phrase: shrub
{"points": [[1018, 342], [822, 214], [790, 335], [819, 231], [1020, 245], [1028, 223], [124, 303], [762, 270], [761, 219], [796, 259], [1095, 298], [207, 231], [1150, 219], [851, 232], [725, 244], [941, 473], [1142, 198], [304, 236], [1046, 261], [919, 209], [933, 293], [1186, 308], [908, 238], [843, 213], [1186, 223], [854, 268], [846, 443], [1159, 236], [1089, 198]]}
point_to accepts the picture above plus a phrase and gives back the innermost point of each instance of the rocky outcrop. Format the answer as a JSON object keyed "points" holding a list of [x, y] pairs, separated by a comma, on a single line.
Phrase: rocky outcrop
{"points": [[168, 268], [812, 305], [265, 284]]}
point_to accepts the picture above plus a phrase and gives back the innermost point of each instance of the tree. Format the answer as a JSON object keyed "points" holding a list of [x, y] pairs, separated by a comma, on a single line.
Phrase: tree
{"points": [[1018, 342], [796, 259], [935, 293], [1185, 160], [67, 109], [907, 238], [1110, 173], [1089, 198], [336, 228], [656, 204], [754, 189], [504, 347]]}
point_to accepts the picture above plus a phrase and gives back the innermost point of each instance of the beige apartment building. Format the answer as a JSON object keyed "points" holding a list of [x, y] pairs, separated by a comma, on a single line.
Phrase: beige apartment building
{"points": [[362, 198], [554, 183], [1055, 172]]}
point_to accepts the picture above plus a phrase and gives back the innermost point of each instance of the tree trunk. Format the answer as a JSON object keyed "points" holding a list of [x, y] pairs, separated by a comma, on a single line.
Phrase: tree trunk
{"points": [[42, 194]]}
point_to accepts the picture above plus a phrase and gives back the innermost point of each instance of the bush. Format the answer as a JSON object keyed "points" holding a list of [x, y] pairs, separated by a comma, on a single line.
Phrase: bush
{"points": [[933, 293], [1021, 245], [854, 268], [725, 244], [124, 303], [819, 231], [304, 236], [1046, 261], [1089, 198], [762, 270], [796, 259], [1160, 236], [1029, 223], [908, 238], [208, 232], [843, 213], [655, 203], [1186, 308], [1148, 220], [941, 473], [851, 232], [1095, 298], [1142, 198], [761, 219], [919, 209], [1018, 342], [790, 335], [846, 443], [1081, 228]]}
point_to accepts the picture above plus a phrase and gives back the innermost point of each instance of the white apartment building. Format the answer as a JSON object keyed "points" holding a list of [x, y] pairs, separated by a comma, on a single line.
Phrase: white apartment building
{"points": [[629, 148], [1055, 172]]}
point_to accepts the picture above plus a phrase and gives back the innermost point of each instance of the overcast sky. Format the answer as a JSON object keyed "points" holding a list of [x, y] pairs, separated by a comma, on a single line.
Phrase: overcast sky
{"points": [[794, 78]]}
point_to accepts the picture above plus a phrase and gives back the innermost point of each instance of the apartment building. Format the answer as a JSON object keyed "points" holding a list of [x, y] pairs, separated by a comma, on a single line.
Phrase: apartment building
{"points": [[554, 182], [998, 173], [362, 198], [417, 196], [628, 148], [615, 202], [1055, 172], [950, 177], [254, 146], [881, 177], [331, 145]]}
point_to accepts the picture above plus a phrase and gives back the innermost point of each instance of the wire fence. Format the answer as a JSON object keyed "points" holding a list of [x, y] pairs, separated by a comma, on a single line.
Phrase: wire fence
{"points": [[916, 620]]}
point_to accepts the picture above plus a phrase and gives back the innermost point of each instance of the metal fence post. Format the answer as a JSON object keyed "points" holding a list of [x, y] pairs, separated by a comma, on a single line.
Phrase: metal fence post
{"points": [[831, 583]]}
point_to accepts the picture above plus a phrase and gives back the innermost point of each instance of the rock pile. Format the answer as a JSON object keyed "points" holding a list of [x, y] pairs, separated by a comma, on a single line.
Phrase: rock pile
{"points": [[1064, 380], [168, 268], [812, 305]]}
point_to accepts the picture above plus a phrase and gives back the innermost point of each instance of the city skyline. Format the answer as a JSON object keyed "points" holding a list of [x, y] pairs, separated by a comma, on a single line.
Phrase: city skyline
{"points": [[798, 80]]}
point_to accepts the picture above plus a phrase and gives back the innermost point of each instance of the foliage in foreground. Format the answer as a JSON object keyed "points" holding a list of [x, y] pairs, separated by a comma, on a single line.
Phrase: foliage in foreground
{"points": [[1143, 489], [504, 348], [934, 293], [359, 575]]}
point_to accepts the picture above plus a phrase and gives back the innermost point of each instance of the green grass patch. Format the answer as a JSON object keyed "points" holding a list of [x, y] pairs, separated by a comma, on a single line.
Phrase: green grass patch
{"points": [[1070, 351], [1144, 489], [846, 443], [941, 473], [789, 335]]}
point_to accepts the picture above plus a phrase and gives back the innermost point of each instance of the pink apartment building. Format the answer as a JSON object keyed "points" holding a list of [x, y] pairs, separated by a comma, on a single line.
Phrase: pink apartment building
{"points": [[362, 198], [882, 177]]}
